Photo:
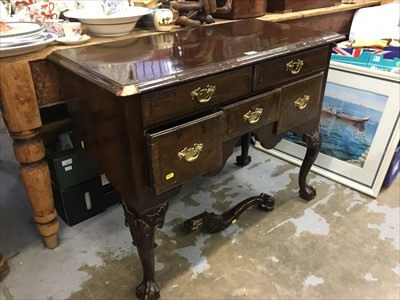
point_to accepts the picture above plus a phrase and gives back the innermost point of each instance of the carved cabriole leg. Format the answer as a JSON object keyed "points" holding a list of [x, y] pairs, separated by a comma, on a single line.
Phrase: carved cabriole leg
{"points": [[21, 114], [313, 140], [142, 228]]}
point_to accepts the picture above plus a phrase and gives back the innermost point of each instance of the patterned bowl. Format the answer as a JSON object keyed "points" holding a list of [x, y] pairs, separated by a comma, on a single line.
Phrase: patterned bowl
{"points": [[54, 26], [118, 23]]}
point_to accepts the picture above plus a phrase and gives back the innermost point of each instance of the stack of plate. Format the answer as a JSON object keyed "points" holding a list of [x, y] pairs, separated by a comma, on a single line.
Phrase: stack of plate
{"points": [[23, 37]]}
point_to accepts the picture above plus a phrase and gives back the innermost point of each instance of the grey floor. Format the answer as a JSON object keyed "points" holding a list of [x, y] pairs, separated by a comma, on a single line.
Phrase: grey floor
{"points": [[341, 245]]}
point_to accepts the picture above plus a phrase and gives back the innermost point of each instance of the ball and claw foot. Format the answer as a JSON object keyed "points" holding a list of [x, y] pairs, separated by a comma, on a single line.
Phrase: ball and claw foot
{"points": [[308, 193], [147, 290]]}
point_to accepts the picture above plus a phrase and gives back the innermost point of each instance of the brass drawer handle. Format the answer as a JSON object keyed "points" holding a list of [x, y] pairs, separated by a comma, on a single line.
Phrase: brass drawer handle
{"points": [[191, 154], [302, 102], [203, 95], [294, 67], [252, 117]]}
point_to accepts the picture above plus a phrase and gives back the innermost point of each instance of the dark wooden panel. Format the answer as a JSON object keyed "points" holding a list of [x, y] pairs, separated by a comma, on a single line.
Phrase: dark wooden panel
{"points": [[169, 165], [243, 9], [277, 71], [338, 22], [163, 105], [291, 115], [264, 109], [297, 5], [45, 80]]}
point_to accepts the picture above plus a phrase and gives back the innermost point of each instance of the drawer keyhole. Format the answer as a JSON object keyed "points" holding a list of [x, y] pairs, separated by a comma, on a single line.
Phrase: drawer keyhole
{"points": [[203, 95]]}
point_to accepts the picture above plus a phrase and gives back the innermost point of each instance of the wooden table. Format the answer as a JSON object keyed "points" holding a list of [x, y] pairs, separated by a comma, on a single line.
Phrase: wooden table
{"points": [[154, 112], [29, 83]]}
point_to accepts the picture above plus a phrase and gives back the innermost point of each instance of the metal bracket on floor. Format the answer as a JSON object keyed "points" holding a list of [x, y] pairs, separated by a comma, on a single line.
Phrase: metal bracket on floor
{"points": [[212, 223]]}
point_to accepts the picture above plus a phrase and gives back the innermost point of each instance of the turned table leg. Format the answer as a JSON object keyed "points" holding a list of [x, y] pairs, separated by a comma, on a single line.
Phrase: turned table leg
{"points": [[35, 176], [20, 112], [244, 159], [142, 228], [313, 140]]}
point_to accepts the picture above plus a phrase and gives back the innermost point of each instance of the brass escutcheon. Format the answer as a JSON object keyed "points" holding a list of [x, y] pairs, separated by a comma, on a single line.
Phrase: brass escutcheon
{"points": [[203, 95], [191, 154], [294, 67], [253, 117], [302, 102]]}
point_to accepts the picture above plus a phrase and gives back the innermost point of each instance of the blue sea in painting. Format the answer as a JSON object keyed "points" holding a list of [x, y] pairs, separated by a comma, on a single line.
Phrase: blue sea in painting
{"points": [[347, 129]]}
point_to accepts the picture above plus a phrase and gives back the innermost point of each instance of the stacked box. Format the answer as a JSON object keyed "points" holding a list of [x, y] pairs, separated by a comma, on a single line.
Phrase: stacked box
{"points": [[386, 59], [79, 191], [79, 202], [378, 62]]}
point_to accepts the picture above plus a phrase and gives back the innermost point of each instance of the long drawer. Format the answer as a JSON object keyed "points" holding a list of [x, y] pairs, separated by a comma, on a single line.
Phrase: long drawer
{"points": [[300, 102], [252, 113], [167, 104], [185, 151], [290, 67]]}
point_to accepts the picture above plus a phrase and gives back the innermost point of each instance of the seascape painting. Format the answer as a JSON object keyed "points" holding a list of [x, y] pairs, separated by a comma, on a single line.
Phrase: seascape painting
{"points": [[349, 121], [359, 126]]}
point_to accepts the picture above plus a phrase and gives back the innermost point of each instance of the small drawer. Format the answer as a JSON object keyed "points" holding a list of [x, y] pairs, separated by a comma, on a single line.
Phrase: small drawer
{"points": [[300, 102], [160, 106], [185, 151], [290, 67], [252, 113]]}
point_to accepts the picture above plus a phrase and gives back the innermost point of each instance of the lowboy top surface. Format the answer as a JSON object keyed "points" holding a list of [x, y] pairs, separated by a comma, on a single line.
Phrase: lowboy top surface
{"points": [[150, 61]]}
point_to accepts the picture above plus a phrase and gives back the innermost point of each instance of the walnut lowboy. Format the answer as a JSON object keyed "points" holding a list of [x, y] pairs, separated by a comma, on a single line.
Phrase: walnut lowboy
{"points": [[153, 115]]}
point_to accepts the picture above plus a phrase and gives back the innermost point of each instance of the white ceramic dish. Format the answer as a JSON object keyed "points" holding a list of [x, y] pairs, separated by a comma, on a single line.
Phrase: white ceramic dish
{"points": [[21, 42], [23, 49], [82, 39], [119, 23], [30, 36], [21, 28]]}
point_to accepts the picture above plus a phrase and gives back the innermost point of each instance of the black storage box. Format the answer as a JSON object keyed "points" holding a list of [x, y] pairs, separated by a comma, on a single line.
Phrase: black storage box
{"points": [[79, 202], [68, 169]]}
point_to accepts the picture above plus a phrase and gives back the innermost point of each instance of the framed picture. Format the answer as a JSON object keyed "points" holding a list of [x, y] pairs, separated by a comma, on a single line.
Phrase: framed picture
{"points": [[359, 127]]}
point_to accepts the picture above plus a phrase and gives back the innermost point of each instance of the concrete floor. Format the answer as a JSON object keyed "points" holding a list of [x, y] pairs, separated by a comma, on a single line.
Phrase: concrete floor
{"points": [[341, 245]]}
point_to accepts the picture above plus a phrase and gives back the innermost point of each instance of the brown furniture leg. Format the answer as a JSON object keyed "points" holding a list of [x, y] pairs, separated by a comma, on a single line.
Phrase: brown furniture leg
{"points": [[21, 115], [4, 269], [142, 228], [313, 140]]}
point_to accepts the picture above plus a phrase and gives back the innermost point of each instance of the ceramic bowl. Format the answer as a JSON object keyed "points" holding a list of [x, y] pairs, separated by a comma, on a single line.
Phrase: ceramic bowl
{"points": [[54, 26], [119, 23]]}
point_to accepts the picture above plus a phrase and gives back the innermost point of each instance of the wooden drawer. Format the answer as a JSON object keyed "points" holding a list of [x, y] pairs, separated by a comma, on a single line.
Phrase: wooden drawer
{"points": [[252, 113], [185, 151], [300, 102], [290, 67], [194, 96]]}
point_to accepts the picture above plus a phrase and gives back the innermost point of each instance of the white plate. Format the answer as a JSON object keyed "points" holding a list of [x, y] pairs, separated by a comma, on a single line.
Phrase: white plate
{"points": [[13, 42], [21, 29], [22, 49], [28, 36], [64, 40], [119, 23]]}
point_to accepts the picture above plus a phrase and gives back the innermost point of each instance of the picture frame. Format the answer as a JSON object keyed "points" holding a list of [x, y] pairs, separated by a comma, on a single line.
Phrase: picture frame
{"points": [[358, 142]]}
